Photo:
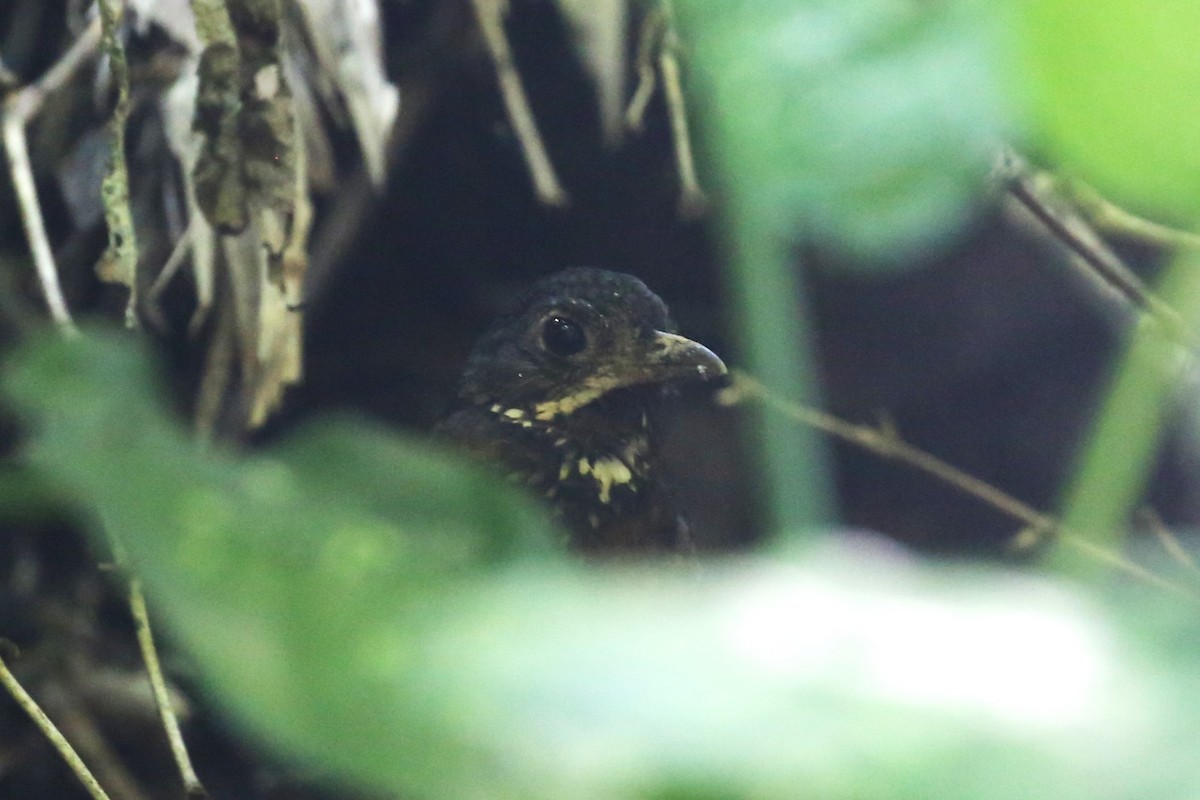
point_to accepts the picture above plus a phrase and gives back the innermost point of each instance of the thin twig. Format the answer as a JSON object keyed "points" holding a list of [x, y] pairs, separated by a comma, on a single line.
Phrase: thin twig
{"points": [[20, 107], [51, 732], [649, 42], [162, 696], [885, 442], [1030, 188], [179, 253], [692, 199], [1112, 218], [80, 727], [1167, 539], [158, 683], [490, 15]]}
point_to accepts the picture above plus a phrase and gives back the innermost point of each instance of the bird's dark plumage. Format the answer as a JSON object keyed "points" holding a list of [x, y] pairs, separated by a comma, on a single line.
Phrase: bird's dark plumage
{"points": [[561, 394]]}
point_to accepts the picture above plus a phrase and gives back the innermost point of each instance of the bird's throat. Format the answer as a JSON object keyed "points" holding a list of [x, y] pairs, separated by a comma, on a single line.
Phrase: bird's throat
{"points": [[594, 466]]}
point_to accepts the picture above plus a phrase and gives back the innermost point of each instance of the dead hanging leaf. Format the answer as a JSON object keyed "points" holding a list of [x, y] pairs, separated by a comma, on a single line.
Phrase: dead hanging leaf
{"points": [[242, 121], [348, 44], [247, 183], [268, 331], [220, 187], [599, 29], [299, 68], [244, 108]]}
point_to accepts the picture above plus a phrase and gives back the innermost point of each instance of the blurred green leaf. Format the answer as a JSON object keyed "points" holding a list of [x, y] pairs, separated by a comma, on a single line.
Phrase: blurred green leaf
{"points": [[1118, 452], [104, 431], [1114, 86], [346, 596], [867, 126], [271, 565]]}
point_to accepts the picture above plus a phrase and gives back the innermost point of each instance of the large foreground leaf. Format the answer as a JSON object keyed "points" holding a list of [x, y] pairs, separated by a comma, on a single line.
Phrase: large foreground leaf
{"points": [[867, 126], [1114, 86], [376, 609]]}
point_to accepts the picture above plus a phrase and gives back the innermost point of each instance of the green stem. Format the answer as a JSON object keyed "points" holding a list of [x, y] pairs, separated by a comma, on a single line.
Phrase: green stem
{"points": [[1118, 455], [775, 340]]}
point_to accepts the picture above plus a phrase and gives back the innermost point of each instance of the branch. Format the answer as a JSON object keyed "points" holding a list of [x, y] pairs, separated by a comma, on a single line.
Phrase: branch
{"points": [[1114, 219], [79, 726], [1037, 192], [659, 41], [1168, 540], [48, 729], [20, 107], [648, 44], [885, 442], [490, 15], [179, 255], [193, 789], [692, 199]]}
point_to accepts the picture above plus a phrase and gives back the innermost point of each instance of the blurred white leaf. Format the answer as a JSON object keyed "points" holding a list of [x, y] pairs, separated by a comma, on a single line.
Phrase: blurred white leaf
{"points": [[299, 68], [598, 28], [347, 38], [173, 16], [763, 677], [178, 107]]}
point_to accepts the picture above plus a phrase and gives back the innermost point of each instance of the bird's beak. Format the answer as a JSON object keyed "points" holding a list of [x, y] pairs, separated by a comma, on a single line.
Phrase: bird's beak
{"points": [[671, 357]]}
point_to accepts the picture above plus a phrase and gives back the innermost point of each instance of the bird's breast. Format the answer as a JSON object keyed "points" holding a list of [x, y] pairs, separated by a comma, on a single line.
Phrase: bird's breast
{"points": [[590, 484], [599, 477]]}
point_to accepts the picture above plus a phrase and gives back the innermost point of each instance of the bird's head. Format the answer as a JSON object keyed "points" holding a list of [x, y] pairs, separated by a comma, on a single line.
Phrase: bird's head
{"points": [[574, 338]]}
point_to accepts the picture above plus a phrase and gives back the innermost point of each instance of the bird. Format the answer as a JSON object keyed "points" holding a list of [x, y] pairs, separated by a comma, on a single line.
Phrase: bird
{"points": [[561, 394]]}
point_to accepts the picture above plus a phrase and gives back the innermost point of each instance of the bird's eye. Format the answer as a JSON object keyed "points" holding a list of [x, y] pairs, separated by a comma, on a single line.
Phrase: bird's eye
{"points": [[563, 336]]}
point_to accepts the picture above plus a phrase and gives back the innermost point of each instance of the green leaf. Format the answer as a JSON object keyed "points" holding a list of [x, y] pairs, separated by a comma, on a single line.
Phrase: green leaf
{"points": [[1114, 87], [867, 126], [346, 597], [277, 567], [104, 431], [1117, 458]]}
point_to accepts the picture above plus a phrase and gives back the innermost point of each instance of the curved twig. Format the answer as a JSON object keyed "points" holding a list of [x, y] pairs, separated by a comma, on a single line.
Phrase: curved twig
{"points": [[20, 107], [51, 732], [886, 442]]}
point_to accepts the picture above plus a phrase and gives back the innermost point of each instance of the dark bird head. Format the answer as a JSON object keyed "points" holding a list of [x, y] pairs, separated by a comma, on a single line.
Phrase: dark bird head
{"points": [[574, 338], [560, 393]]}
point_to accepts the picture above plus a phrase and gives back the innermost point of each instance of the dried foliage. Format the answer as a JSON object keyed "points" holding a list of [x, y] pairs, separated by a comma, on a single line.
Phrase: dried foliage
{"points": [[244, 91]]}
